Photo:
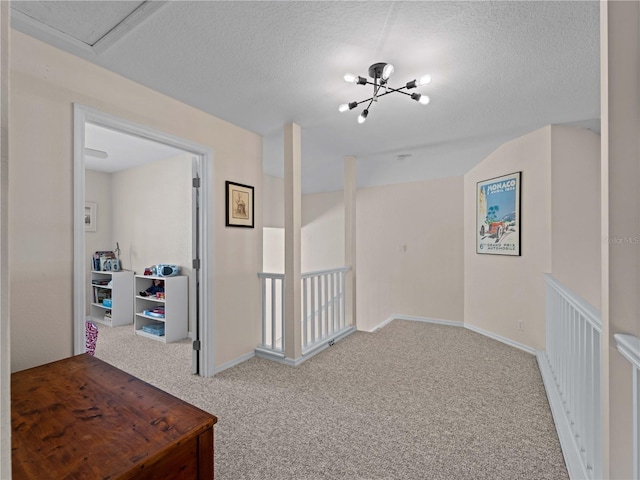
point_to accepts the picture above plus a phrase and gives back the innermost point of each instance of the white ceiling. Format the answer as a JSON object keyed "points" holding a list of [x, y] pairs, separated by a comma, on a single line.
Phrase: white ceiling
{"points": [[124, 151], [499, 69]]}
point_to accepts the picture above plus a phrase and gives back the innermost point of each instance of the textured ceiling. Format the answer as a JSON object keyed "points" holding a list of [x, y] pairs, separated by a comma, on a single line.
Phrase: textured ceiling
{"points": [[124, 151], [499, 69]]}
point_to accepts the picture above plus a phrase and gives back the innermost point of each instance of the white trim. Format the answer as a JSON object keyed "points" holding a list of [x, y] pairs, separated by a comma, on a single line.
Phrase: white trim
{"points": [[413, 318], [506, 341], [64, 41], [588, 311], [83, 114], [629, 347], [130, 22], [235, 361], [25, 24], [570, 449], [454, 323], [280, 358]]}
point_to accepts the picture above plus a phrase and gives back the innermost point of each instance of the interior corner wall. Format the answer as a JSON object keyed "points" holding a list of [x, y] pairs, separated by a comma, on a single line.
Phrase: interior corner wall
{"points": [[273, 201], [153, 227], [410, 251], [98, 190], [575, 211], [46, 82], [322, 231], [500, 290]]}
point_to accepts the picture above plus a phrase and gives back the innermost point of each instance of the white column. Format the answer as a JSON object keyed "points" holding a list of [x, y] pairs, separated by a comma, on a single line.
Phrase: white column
{"points": [[620, 125], [5, 342], [350, 239], [292, 250]]}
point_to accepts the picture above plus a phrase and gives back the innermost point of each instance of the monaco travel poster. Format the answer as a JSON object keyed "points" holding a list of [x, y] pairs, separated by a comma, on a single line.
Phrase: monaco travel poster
{"points": [[498, 215]]}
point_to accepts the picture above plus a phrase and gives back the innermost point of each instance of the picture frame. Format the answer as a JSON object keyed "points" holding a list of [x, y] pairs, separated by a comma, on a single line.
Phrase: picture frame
{"points": [[498, 215], [90, 217], [240, 205]]}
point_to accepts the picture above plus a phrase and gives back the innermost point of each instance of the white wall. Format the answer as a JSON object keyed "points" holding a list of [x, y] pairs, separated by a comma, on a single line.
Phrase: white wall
{"points": [[45, 84], [410, 254], [153, 227], [322, 231], [322, 235], [501, 290], [559, 232], [98, 190], [575, 210]]}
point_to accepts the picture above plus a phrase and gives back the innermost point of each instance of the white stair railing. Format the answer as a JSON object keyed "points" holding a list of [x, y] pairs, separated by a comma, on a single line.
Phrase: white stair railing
{"points": [[629, 347], [323, 306], [273, 290], [571, 370]]}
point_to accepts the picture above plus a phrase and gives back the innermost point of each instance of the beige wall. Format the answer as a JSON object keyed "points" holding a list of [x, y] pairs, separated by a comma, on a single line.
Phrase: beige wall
{"points": [[45, 84], [575, 211], [425, 280], [153, 227], [98, 189], [322, 231], [560, 218], [273, 200], [501, 290]]}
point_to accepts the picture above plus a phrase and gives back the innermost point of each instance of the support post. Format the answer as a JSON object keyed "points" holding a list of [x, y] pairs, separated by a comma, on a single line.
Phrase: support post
{"points": [[5, 340], [620, 187], [292, 241], [350, 239]]}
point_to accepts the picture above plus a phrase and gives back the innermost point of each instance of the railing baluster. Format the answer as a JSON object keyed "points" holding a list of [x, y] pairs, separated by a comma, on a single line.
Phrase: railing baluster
{"points": [[573, 364], [273, 313], [629, 346], [305, 313], [263, 284]]}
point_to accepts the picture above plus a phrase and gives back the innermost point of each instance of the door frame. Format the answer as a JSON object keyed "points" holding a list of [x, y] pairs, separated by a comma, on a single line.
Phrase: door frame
{"points": [[83, 114]]}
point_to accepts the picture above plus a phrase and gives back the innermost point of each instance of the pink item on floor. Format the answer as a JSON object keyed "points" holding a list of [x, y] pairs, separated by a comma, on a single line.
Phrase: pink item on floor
{"points": [[92, 337]]}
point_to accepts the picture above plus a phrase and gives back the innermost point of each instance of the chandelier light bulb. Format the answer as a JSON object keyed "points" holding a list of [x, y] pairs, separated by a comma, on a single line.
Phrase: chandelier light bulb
{"points": [[380, 73], [350, 78], [424, 80], [422, 99], [387, 71]]}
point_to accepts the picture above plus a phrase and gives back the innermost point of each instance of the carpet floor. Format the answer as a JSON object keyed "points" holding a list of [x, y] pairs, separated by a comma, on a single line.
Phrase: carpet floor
{"points": [[410, 401]]}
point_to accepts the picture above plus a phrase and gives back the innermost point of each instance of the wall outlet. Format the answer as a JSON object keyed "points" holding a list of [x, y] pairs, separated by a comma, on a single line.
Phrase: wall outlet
{"points": [[521, 325]]}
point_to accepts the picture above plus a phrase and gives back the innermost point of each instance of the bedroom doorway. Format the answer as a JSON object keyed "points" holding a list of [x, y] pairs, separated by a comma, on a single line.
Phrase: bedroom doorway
{"points": [[198, 160]]}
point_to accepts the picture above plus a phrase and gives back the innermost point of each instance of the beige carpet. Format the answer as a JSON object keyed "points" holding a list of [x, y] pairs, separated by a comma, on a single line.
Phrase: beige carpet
{"points": [[411, 401]]}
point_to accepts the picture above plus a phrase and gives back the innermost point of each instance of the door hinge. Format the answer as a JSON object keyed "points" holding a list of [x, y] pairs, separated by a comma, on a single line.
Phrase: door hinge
{"points": [[196, 263], [196, 182], [196, 345]]}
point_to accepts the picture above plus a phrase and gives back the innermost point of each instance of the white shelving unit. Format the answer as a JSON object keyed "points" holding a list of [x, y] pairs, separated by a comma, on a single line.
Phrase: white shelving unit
{"points": [[116, 286], [175, 303]]}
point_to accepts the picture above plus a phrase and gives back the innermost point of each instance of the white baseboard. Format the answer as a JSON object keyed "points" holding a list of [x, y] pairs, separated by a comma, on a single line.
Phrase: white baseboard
{"points": [[397, 316], [234, 362], [454, 323], [501, 339], [280, 358], [570, 450]]}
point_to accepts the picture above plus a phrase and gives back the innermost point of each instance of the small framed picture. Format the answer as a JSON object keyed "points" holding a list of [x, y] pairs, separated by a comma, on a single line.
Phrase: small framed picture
{"points": [[90, 217], [498, 215], [240, 205]]}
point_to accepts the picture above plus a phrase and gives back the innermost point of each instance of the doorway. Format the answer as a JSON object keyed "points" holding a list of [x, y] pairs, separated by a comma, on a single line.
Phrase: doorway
{"points": [[201, 327]]}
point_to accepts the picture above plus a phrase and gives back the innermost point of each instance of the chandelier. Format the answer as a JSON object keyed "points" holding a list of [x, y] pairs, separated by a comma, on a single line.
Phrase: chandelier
{"points": [[380, 72]]}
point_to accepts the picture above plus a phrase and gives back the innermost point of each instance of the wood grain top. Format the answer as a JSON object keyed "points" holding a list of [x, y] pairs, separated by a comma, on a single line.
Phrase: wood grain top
{"points": [[83, 418]]}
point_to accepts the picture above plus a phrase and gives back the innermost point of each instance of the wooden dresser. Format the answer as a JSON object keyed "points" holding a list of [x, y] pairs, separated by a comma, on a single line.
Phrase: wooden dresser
{"points": [[81, 418]]}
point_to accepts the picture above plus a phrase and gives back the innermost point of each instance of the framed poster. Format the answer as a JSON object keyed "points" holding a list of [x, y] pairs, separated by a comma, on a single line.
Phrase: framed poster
{"points": [[498, 215], [239, 205], [90, 217]]}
